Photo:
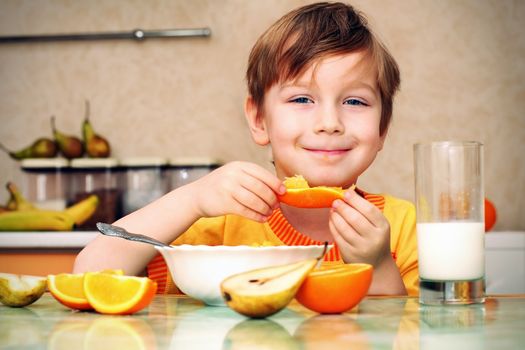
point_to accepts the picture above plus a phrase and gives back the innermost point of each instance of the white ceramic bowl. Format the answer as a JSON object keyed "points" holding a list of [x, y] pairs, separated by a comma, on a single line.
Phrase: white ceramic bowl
{"points": [[198, 270]]}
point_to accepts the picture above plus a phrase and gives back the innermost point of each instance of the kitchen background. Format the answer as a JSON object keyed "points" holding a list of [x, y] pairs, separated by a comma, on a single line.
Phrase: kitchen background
{"points": [[462, 65]]}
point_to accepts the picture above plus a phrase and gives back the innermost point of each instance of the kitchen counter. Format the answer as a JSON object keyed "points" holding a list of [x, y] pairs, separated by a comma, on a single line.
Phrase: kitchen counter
{"points": [[41, 253], [178, 322], [45, 240]]}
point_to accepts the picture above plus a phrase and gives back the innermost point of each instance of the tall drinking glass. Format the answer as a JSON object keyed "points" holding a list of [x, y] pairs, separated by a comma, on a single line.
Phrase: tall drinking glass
{"points": [[450, 222]]}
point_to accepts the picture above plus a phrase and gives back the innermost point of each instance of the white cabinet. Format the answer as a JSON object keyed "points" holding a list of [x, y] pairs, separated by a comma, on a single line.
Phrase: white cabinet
{"points": [[505, 262]]}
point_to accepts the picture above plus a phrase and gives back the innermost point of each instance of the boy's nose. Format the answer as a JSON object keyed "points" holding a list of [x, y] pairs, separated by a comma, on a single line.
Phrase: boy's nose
{"points": [[329, 121]]}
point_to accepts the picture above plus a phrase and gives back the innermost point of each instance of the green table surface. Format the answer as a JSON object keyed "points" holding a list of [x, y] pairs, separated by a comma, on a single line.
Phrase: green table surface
{"points": [[175, 322]]}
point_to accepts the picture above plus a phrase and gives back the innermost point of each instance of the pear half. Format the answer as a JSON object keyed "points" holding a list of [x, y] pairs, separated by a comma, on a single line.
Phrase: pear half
{"points": [[263, 292], [21, 290]]}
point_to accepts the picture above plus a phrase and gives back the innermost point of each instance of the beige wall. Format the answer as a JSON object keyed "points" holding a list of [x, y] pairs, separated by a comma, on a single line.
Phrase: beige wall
{"points": [[463, 77]]}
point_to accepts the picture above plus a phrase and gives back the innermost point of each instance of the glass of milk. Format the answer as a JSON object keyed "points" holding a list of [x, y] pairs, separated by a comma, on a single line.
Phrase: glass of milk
{"points": [[450, 222]]}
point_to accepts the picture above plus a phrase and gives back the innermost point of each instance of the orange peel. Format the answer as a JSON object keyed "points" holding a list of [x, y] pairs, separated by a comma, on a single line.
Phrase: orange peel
{"points": [[300, 194]]}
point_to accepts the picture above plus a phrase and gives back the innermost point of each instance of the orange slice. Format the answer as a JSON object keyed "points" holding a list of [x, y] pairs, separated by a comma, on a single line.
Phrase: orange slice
{"points": [[68, 289], [335, 289], [300, 194], [118, 295]]}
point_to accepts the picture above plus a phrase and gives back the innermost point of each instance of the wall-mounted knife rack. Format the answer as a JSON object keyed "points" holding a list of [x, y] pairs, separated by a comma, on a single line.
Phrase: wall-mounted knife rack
{"points": [[137, 34]]}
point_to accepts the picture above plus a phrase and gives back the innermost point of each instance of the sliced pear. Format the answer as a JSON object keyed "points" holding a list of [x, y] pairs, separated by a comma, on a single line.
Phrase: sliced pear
{"points": [[263, 292], [21, 290]]}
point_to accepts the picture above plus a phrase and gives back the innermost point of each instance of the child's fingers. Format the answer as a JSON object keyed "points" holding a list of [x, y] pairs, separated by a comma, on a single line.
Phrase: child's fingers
{"points": [[252, 201], [266, 177], [240, 208], [339, 240], [250, 214], [365, 209], [352, 217], [341, 231], [348, 244], [259, 189]]}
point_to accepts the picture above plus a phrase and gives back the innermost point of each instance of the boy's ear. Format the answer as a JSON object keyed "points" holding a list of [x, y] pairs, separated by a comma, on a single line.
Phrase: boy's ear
{"points": [[256, 122]]}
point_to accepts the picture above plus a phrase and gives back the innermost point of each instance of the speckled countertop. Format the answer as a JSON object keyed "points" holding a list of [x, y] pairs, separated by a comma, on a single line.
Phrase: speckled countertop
{"points": [[173, 322]]}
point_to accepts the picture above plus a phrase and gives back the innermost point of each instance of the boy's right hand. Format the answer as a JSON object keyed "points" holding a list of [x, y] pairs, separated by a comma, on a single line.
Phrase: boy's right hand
{"points": [[240, 188]]}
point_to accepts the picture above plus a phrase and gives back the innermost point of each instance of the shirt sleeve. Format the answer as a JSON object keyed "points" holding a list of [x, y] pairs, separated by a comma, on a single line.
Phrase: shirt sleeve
{"points": [[402, 218]]}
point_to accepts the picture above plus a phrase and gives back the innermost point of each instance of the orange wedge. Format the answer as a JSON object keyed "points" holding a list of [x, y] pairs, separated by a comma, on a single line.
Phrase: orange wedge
{"points": [[300, 194], [335, 289], [118, 295], [68, 289]]}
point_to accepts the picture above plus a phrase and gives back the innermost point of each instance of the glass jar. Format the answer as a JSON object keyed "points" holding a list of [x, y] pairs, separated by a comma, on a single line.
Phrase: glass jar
{"points": [[44, 182], [144, 181], [185, 170], [98, 176]]}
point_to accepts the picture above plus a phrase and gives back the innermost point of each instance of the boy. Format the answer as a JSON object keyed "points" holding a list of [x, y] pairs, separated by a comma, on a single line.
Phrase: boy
{"points": [[320, 94]]}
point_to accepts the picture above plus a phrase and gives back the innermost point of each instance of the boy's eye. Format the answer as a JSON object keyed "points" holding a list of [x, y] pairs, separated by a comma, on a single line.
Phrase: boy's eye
{"points": [[301, 100], [355, 102]]}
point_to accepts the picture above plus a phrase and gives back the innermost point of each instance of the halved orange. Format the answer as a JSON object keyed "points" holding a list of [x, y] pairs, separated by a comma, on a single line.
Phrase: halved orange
{"points": [[300, 194], [335, 289], [118, 295], [68, 289]]}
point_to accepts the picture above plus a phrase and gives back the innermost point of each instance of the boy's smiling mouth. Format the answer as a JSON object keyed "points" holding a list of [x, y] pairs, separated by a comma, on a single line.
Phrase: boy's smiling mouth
{"points": [[327, 152]]}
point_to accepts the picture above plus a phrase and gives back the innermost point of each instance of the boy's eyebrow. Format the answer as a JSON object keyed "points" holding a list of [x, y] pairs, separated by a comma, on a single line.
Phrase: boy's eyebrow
{"points": [[362, 84], [296, 83], [353, 84]]}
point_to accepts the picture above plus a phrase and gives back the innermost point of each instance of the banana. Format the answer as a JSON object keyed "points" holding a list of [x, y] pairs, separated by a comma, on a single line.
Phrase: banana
{"points": [[83, 210], [17, 201], [36, 220], [11, 204], [19, 214]]}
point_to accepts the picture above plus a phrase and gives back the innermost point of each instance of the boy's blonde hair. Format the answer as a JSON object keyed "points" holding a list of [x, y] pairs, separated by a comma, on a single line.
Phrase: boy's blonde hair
{"points": [[302, 37]]}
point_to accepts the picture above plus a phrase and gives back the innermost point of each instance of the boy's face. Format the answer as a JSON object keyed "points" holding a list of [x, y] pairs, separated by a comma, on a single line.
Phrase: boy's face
{"points": [[325, 124]]}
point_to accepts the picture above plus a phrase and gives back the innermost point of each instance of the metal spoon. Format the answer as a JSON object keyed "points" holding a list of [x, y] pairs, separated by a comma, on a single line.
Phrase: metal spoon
{"points": [[116, 231]]}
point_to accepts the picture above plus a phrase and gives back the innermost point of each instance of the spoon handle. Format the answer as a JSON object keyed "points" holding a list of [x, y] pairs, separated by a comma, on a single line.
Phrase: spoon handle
{"points": [[116, 231]]}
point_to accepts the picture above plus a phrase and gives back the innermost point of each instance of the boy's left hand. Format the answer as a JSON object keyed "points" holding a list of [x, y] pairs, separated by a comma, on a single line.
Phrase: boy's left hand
{"points": [[360, 230]]}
